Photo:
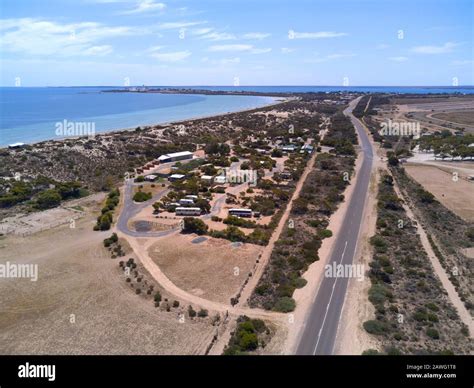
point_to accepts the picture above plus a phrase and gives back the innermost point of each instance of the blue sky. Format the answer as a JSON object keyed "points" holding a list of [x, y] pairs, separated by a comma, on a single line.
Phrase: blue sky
{"points": [[222, 42]]}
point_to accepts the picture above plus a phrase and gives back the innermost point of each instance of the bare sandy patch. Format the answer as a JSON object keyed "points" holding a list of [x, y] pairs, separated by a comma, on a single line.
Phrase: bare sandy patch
{"points": [[460, 117], [213, 269], [77, 280], [455, 195]]}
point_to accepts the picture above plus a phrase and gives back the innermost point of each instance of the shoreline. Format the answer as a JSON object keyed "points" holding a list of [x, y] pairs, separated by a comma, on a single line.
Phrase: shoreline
{"points": [[276, 101]]}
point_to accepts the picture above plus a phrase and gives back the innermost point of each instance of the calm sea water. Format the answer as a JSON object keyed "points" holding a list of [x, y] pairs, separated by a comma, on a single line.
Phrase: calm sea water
{"points": [[29, 115]]}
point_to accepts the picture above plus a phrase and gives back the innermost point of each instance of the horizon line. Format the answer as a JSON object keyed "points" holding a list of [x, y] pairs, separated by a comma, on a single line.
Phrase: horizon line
{"points": [[241, 86]]}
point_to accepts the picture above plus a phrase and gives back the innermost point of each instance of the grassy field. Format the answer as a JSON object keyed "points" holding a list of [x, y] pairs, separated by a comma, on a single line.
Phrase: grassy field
{"points": [[78, 279], [207, 269], [462, 117], [456, 196]]}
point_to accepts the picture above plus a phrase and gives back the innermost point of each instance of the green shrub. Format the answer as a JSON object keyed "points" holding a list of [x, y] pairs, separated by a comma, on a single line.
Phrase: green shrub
{"points": [[48, 199], [285, 304], [194, 225], [141, 196], [157, 297], [248, 341], [375, 327], [432, 333], [191, 312]]}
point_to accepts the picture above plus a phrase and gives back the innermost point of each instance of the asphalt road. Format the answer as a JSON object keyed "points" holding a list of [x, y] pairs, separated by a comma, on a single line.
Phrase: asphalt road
{"points": [[131, 208], [320, 329]]}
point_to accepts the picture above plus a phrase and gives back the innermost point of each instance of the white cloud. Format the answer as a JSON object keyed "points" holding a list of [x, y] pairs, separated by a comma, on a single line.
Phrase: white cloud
{"points": [[287, 50], [212, 35], [256, 35], [153, 49], [145, 6], [175, 25], [36, 37], [260, 51], [201, 31], [330, 57], [339, 56], [443, 49], [174, 56], [98, 50], [218, 36], [222, 61], [462, 62], [239, 47], [228, 61], [398, 59], [314, 35], [382, 46], [231, 47]]}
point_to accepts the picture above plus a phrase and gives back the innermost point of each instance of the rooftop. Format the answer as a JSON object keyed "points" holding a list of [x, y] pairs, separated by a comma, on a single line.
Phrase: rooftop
{"points": [[175, 155]]}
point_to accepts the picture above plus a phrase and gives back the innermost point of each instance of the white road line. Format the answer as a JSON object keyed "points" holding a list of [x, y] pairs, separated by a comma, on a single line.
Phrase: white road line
{"points": [[329, 303]]}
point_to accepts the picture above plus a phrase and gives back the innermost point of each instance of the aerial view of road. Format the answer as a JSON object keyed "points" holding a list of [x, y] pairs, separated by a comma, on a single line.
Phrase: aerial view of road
{"points": [[321, 326], [184, 181]]}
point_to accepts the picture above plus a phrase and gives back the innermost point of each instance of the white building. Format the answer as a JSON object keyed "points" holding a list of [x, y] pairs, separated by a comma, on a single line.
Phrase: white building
{"points": [[176, 177], [151, 177], [220, 179], [207, 178], [16, 145], [174, 157]]}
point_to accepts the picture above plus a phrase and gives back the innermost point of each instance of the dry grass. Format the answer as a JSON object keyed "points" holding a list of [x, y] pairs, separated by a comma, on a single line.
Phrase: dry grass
{"points": [[456, 196], [205, 269], [77, 276], [465, 117]]}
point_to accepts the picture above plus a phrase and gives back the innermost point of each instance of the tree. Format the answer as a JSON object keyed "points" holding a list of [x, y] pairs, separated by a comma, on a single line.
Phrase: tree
{"points": [[69, 190], [470, 233], [191, 311], [425, 196], [233, 233], [111, 240], [285, 304], [194, 225], [432, 333], [203, 204], [157, 206], [375, 327], [393, 161], [248, 341], [141, 196], [104, 221], [300, 206], [157, 297], [48, 199], [215, 148]]}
